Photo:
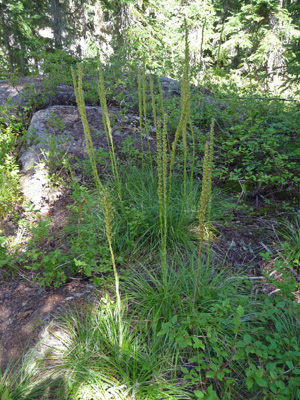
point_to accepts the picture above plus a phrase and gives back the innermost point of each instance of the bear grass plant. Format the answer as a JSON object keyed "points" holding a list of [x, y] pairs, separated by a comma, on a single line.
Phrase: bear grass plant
{"points": [[139, 232], [180, 326]]}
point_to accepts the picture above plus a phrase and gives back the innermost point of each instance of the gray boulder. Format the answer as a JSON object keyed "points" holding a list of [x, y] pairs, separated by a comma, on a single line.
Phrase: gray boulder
{"points": [[56, 134], [170, 87]]}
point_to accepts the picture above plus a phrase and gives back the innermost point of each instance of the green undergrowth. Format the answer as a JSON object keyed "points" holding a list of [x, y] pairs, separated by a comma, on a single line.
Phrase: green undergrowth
{"points": [[256, 139], [10, 128], [176, 321], [232, 345]]}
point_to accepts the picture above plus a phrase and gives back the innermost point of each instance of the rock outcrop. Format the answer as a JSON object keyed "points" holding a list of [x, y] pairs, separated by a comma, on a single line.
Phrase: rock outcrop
{"points": [[56, 134]]}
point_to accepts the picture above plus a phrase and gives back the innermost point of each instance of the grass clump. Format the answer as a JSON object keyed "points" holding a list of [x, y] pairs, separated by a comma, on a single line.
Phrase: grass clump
{"points": [[97, 364], [291, 243]]}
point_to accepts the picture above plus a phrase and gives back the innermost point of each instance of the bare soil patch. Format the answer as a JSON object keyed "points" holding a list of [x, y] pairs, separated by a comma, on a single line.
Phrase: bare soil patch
{"points": [[26, 309]]}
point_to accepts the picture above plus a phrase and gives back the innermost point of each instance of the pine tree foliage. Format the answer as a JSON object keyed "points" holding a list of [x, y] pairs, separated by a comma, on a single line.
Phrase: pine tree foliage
{"points": [[257, 36]]}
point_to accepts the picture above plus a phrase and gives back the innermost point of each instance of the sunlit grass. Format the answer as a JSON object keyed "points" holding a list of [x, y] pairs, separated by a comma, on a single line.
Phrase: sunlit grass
{"points": [[95, 364]]}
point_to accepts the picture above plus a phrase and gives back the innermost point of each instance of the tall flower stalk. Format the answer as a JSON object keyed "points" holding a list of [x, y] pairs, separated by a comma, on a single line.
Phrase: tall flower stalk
{"points": [[140, 94], [162, 171], [185, 97], [160, 193], [102, 192], [211, 149], [108, 216], [145, 111], [205, 201], [87, 134], [184, 117], [108, 132]]}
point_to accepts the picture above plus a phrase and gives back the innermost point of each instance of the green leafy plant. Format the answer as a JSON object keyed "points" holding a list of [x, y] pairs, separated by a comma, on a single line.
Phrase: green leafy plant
{"points": [[9, 170], [232, 353], [48, 265], [9, 183], [257, 145]]}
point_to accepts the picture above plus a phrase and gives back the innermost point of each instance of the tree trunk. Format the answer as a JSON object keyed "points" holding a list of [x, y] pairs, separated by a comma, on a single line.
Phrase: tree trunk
{"points": [[57, 23]]}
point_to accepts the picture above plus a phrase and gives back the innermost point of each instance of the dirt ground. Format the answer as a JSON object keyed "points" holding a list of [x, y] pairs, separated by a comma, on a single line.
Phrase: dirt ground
{"points": [[27, 308]]}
